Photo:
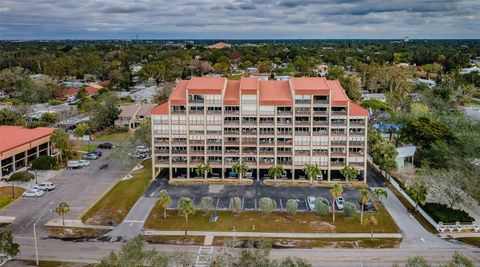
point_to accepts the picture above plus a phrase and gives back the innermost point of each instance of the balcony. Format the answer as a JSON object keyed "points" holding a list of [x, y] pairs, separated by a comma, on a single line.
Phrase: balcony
{"points": [[302, 101], [357, 133], [232, 142], [214, 112], [196, 112], [284, 143], [357, 143], [232, 112], [197, 152], [179, 160], [232, 122], [267, 151], [192, 132], [339, 143], [284, 152], [320, 122], [320, 153], [216, 152], [266, 161], [197, 142], [267, 132], [197, 161], [302, 133], [179, 112], [214, 141], [232, 151], [302, 112], [162, 151], [284, 112], [214, 132], [163, 161], [249, 152], [302, 153], [232, 132], [320, 102], [339, 112], [284, 162], [338, 133], [249, 132]]}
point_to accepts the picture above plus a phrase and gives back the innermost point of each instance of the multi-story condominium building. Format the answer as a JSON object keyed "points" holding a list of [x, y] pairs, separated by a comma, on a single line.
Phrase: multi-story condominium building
{"points": [[261, 123]]}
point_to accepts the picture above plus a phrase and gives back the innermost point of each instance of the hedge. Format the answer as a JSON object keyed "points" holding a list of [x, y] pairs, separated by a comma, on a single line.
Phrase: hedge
{"points": [[43, 163], [442, 213], [23, 176]]}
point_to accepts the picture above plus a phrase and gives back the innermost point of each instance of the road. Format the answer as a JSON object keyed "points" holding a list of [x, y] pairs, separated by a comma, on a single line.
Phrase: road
{"points": [[91, 252], [80, 188]]}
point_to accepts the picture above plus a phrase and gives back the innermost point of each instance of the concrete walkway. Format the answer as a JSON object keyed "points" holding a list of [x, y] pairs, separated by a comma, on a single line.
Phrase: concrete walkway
{"points": [[275, 235], [132, 225], [414, 235]]}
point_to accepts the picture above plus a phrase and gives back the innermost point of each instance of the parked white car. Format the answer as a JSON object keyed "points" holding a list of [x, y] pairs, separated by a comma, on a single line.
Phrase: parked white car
{"points": [[84, 162], [339, 202], [249, 174], [33, 193], [310, 202], [142, 149], [72, 164], [45, 186]]}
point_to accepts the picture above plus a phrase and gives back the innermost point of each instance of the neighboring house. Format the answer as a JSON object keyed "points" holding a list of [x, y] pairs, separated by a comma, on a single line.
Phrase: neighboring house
{"points": [[469, 70], [405, 156], [220, 45], [252, 70], [282, 78], [429, 83], [132, 116], [146, 94], [379, 97], [72, 122]]}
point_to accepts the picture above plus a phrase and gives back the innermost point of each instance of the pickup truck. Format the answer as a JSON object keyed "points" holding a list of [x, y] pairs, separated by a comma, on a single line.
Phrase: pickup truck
{"points": [[73, 164]]}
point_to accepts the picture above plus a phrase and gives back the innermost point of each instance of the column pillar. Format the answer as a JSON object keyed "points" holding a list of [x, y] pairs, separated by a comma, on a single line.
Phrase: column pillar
{"points": [[14, 167], [329, 174], [170, 173]]}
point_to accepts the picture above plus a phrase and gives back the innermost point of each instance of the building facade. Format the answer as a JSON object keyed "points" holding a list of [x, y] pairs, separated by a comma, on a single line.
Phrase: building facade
{"points": [[295, 122], [19, 146]]}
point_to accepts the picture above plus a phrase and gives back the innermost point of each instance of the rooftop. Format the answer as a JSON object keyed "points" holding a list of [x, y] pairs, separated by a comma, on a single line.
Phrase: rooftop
{"points": [[15, 136]]}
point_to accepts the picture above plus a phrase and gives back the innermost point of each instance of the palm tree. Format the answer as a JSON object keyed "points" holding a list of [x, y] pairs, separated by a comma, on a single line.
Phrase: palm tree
{"points": [[203, 169], [364, 198], [276, 170], [349, 173], [378, 193], [240, 169], [312, 171], [163, 202], [418, 192], [373, 222], [185, 207], [62, 210], [336, 192]]}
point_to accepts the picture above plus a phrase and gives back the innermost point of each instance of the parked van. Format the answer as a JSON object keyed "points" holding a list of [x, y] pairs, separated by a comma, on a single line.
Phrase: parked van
{"points": [[73, 164]]}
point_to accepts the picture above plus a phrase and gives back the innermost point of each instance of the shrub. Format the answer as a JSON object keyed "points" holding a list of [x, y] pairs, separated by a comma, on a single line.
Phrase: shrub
{"points": [[442, 213], [267, 205], [206, 204], [349, 209], [54, 102], [320, 207], [23, 176], [291, 207], [235, 204], [43, 163]]}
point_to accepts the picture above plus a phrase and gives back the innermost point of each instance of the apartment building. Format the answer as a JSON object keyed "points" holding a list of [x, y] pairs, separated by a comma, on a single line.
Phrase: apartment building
{"points": [[261, 123]]}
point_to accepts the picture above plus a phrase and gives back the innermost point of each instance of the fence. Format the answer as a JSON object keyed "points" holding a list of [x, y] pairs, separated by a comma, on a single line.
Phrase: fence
{"points": [[404, 194]]}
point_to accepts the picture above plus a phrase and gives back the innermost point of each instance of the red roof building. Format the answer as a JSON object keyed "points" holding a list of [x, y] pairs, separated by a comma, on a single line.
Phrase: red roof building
{"points": [[19, 146], [294, 122]]}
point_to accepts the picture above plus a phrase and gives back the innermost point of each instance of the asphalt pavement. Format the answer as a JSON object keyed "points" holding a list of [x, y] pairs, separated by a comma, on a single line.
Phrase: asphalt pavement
{"points": [[79, 188]]}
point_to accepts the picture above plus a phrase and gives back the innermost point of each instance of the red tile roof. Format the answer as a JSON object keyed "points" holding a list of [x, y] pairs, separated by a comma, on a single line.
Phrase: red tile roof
{"points": [[232, 93], [219, 45], [161, 109], [71, 92], [15, 136], [310, 85], [92, 90], [275, 93], [215, 83], [179, 94], [356, 110], [104, 83], [339, 97]]}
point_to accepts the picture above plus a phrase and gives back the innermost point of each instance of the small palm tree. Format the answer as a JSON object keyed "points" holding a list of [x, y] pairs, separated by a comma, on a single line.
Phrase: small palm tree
{"points": [[203, 170], [418, 192], [62, 210], [276, 170], [312, 171], [240, 169], [163, 202], [373, 222], [364, 198], [349, 173], [336, 192], [379, 193], [185, 207]]}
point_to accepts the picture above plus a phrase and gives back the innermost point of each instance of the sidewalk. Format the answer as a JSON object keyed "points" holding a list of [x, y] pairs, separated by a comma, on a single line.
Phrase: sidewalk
{"points": [[274, 235], [76, 224]]}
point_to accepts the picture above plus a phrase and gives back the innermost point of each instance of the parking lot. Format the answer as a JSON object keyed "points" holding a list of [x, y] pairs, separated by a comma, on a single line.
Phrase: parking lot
{"points": [[80, 188], [250, 195]]}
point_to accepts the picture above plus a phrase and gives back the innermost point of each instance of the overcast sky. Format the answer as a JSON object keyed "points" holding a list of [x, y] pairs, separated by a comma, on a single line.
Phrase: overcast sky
{"points": [[246, 19]]}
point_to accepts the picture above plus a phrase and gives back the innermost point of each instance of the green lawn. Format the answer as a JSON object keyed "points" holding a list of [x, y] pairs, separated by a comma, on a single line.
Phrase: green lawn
{"points": [[74, 233], [115, 137], [112, 208], [85, 147], [303, 222], [6, 195]]}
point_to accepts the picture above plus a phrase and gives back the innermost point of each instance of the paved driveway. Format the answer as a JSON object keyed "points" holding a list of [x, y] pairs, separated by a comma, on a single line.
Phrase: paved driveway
{"points": [[79, 188]]}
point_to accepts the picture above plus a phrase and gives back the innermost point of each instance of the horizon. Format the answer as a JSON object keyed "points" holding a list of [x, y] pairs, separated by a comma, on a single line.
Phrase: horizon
{"points": [[238, 19]]}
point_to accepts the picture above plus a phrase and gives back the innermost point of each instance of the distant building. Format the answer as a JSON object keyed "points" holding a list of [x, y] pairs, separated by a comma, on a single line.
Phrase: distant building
{"points": [[469, 70], [427, 82], [145, 94], [282, 78], [220, 45], [132, 116], [369, 96], [405, 157], [19, 146], [252, 70]]}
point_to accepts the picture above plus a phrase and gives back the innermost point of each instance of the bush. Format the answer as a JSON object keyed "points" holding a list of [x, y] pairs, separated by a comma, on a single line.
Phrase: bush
{"points": [[349, 209], [442, 213], [43, 163], [54, 102], [22, 176], [320, 207]]}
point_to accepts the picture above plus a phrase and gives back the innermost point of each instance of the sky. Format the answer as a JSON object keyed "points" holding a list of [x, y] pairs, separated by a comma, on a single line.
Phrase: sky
{"points": [[239, 19]]}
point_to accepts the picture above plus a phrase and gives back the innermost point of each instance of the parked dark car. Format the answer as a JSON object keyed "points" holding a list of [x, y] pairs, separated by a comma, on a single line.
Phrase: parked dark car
{"points": [[368, 206], [96, 152], [105, 146]]}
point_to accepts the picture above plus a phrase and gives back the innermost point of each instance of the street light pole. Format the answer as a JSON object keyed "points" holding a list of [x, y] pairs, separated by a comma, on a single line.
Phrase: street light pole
{"points": [[35, 233]]}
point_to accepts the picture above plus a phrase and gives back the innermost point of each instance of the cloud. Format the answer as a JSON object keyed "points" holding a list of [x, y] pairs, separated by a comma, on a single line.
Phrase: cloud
{"points": [[59, 19]]}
